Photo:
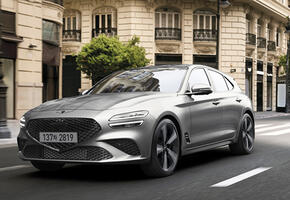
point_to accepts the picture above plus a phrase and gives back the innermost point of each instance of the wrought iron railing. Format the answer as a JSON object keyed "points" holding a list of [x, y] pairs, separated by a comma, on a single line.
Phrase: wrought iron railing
{"points": [[271, 46], [106, 31], [71, 35], [251, 39], [60, 2], [204, 35], [167, 34], [261, 42]]}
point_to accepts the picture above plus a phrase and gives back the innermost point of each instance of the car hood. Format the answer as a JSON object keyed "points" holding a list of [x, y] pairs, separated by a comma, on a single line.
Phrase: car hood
{"points": [[99, 102]]}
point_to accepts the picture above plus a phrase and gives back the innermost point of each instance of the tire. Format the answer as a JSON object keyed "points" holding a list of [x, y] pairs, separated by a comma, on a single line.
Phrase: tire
{"points": [[246, 137], [165, 150], [47, 166]]}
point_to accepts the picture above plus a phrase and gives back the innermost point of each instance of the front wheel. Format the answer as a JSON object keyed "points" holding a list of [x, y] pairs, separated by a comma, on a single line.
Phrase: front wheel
{"points": [[246, 137], [165, 150], [47, 166]]}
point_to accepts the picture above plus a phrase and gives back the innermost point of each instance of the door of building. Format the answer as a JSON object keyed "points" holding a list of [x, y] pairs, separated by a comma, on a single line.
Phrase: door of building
{"points": [[71, 77], [208, 60], [50, 82], [249, 77]]}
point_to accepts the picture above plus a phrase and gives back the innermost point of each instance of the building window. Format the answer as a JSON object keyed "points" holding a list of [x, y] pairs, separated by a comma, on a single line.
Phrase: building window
{"points": [[50, 32], [278, 38], [72, 26], [167, 24], [105, 21], [204, 25]]}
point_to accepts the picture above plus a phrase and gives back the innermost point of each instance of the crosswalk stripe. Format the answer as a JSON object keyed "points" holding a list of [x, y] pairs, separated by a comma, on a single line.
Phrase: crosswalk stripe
{"points": [[241, 177], [262, 125], [259, 130], [280, 132]]}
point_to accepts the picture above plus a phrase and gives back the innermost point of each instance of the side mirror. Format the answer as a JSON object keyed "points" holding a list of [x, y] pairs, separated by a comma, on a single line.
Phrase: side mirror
{"points": [[85, 92], [201, 89]]}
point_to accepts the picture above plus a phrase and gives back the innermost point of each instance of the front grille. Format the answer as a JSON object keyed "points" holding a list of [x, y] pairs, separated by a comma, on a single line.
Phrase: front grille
{"points": [[126, 145], [86, 128], [79, 153]]}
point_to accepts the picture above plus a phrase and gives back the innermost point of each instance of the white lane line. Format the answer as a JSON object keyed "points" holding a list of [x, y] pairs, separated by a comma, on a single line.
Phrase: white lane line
{"points": [[262, 125], [4, 169], [241, 177], [280, 132], [259, 130]]}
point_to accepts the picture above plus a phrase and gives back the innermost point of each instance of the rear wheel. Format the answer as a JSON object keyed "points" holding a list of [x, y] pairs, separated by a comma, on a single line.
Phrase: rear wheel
{"points": [[165, 150], [245, 143], [47, 166]]}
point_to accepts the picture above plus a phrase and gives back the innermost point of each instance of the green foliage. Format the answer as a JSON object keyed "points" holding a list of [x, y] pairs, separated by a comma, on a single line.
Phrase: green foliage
{"points": [[105, 55], [282, 60]]}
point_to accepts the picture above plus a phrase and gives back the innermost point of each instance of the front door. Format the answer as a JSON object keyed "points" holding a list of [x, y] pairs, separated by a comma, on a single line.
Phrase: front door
{"points": [[205, 113]]}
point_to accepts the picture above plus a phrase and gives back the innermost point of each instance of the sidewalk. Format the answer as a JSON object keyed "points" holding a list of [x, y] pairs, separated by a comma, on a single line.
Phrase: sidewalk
{"points": [[13, 125]]}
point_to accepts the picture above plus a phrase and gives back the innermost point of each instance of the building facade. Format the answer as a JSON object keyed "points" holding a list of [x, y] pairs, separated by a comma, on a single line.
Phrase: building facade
{"points": [[31, 37], [185, 31]]}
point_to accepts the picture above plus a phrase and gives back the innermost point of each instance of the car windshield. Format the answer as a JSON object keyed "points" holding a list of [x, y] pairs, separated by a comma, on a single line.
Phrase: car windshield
{"points": [[142, 80]]}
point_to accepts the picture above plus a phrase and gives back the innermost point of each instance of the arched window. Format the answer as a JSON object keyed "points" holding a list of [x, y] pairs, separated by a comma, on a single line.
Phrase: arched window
{"points": [[204, 25], [72, 25], [105, 21], [167, 24]]}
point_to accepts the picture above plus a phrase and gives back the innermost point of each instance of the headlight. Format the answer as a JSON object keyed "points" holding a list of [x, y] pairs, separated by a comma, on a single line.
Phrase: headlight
{"points": [[22, 122], [130, 115]]}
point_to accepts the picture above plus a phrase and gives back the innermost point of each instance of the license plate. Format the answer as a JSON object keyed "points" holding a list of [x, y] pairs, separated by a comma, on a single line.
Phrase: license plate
{"points": [[63, 137]]}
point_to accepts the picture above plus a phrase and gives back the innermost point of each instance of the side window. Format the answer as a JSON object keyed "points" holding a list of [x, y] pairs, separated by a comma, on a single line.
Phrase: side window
{"points": [[198, 76], [218, 81], [229, 84]]}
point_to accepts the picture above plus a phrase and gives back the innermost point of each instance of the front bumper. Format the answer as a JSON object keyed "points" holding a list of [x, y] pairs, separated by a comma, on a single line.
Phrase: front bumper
{"points": [[110, 145]]}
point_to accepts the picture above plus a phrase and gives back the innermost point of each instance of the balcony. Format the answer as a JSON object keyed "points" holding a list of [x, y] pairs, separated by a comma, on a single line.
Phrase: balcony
{"points": [[271, 46], [261, 42], [71, 35], [59, 2], [167, 34], [250, 39], [106, 31], [204, 35]]}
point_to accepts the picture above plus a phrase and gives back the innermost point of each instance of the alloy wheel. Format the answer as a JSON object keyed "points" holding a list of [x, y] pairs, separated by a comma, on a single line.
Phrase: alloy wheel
{"points": [[248, 133], [167, 147]]}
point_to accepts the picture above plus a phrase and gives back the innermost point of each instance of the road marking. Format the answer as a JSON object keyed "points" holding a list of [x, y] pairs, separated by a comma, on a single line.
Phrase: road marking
{"points": [[280, 132], [271, 128], [4, 169], [262, 125], [241, 177]]}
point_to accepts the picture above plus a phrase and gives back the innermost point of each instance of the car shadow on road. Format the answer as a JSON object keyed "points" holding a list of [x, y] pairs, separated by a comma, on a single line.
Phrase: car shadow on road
{"points": [[107, 173]]}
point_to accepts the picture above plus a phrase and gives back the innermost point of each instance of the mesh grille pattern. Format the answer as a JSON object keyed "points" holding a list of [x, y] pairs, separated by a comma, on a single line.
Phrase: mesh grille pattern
{"points": [[80, 153], [86, 128], [126, 145]]}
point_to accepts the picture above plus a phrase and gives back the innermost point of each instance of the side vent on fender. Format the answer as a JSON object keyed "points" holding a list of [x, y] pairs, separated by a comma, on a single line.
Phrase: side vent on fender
{"points": [[187, 138]]}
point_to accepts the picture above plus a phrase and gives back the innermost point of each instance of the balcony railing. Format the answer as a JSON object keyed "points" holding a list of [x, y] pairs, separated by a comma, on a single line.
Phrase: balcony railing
{"points": [[60, 2], [251, 39], [106, 31], [271, 46], [167, 34], [204, 35], [261, 42], [71, 35]]}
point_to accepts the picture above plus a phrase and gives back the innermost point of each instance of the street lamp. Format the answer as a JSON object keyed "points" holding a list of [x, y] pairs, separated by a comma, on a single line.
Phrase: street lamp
{"points": [[287, 110], [4, 131], [220, 4]]}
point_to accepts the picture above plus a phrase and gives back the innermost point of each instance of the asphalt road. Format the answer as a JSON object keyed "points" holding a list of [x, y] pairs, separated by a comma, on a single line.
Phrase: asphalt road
{"points": [[262, 175]]}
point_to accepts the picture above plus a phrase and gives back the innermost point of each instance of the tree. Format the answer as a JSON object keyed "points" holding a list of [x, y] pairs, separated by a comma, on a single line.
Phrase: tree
{"points": [[282, 63], [105, 55]]}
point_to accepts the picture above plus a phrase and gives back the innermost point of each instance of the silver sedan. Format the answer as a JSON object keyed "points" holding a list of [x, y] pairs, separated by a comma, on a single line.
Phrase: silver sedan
{"points": [[151, 116]]}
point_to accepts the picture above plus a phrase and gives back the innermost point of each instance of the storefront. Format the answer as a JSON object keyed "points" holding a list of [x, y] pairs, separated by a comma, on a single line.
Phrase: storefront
{"points": [[8, 57]]}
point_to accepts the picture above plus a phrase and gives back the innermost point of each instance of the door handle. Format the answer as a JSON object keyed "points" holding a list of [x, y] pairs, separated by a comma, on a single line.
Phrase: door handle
{"points": [[238, 100], [216, 103]]}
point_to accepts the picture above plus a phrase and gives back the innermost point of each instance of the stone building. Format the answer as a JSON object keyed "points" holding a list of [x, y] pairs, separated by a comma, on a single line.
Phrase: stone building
{"points": [[39, 63], [185, 31], [31, 41]]}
